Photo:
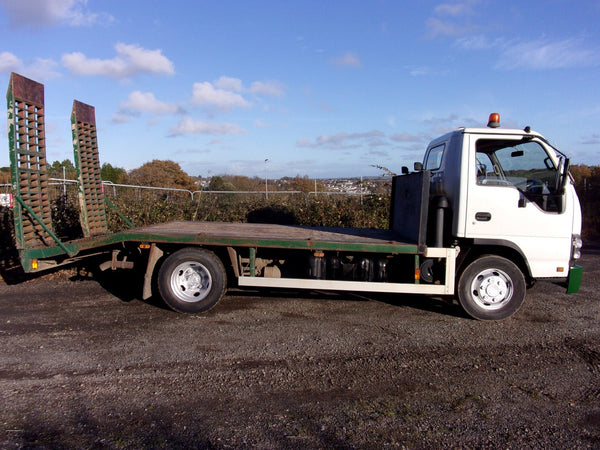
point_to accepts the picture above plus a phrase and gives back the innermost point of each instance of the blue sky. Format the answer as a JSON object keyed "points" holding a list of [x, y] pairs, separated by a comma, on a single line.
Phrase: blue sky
{"points": [[318, 88]]}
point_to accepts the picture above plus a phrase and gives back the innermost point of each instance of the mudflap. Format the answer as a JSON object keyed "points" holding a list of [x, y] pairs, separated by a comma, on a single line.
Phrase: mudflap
{"points": [[574, 280]]}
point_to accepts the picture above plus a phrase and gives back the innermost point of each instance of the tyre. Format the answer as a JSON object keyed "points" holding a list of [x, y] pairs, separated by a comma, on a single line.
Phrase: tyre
{"points": [[192, 280], [491, 288]]}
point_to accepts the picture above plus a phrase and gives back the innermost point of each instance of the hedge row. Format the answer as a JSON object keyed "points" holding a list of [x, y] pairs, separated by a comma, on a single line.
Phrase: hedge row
{"points": [[332, 211]]}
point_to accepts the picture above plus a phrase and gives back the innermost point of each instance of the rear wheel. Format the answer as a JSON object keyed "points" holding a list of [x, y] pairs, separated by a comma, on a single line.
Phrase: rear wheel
{"points": [[491, 288], [192, 280]]}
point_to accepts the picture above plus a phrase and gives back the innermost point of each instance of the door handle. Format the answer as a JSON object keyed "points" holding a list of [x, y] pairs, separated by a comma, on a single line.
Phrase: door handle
{"points": [[483, 216]]}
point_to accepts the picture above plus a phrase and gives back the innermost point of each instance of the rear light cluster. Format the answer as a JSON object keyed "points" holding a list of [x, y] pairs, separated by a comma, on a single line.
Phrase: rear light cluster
{"points": [[577, 243]]}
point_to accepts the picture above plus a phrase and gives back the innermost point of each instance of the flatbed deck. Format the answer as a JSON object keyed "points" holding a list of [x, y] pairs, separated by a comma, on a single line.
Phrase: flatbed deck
{"points": [[239, 235], [273, 236]]}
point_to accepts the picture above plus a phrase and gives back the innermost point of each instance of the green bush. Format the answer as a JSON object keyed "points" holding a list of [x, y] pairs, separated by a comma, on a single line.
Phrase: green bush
{"points": [[331, 211]]}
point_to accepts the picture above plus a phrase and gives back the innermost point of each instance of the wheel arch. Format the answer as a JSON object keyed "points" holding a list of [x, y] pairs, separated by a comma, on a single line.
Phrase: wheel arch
{"points": [[498, 247]]}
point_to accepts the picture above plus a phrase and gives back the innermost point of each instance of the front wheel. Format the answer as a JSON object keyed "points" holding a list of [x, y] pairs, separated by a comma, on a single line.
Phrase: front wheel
{"points": [[192, 280], [491, 288]]}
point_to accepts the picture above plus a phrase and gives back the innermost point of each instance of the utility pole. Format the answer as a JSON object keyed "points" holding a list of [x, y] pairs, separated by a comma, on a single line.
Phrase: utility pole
{"points": [[361, 190], [266, 183]]}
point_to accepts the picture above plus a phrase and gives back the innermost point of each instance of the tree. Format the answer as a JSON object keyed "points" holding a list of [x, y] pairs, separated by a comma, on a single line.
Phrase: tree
{"points": [[303, 184], [161, 173], [4, 175], [218, 183], [55, 170], [111, 173], [580, 172], [243, 183]]}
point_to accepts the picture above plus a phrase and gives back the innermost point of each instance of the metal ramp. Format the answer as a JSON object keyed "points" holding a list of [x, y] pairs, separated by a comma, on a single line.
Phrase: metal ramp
{"points": [[87, 163], [39, 247], [27, 147]]}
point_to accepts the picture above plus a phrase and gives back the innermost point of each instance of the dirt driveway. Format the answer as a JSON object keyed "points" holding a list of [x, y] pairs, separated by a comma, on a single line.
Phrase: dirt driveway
{"points": [[85, 364]]}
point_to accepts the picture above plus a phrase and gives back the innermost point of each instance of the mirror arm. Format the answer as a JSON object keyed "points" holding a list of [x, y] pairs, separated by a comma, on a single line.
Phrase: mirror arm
{"points": [[565, 175]]}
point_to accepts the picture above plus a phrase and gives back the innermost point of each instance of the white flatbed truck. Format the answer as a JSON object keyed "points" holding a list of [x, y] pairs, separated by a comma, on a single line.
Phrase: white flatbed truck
{"points": [[486, 213]]}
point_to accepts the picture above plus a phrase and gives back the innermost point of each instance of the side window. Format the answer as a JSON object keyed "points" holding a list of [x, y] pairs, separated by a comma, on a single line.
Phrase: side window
{"points": [[434, 157], [522, 164]]}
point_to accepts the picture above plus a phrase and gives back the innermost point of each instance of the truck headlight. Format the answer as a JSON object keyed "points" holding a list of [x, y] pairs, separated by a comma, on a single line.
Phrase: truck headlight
{"points": [[577, 244]]}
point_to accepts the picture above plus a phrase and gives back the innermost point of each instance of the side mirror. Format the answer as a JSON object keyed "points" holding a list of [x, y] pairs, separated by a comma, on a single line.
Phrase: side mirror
{"points": [[404, 170], [418, 167]]}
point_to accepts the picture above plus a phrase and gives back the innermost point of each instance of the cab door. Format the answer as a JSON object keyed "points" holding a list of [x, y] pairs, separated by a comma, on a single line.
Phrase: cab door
{"points": [[513, 199]]}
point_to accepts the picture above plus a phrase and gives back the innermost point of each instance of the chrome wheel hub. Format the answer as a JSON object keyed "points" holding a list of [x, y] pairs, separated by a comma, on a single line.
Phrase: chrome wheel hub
{"points": [[191, 282], [492, 288]]}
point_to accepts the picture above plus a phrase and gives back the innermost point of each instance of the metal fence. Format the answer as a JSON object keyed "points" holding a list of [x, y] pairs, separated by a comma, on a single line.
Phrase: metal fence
{"points": [[66, 186]]}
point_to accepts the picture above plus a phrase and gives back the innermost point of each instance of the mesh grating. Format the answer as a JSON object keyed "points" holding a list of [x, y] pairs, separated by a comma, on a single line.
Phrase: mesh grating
{"points": [[87, 163], [27, 145]]}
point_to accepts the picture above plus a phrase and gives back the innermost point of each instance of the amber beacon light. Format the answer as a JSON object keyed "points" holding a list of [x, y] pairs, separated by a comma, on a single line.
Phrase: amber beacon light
{"points": [[494, 120]]}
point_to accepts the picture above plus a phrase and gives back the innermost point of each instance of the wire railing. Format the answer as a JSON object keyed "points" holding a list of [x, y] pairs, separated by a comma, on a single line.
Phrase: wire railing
{"points": [[110, 188]]}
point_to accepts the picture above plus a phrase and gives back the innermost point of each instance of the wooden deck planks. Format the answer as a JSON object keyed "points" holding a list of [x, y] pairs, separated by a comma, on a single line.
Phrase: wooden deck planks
{"points": [[273, 232]]}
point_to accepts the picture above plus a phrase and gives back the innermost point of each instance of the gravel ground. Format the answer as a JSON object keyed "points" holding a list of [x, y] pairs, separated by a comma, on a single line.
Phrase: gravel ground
{"points": [[86, 364]]}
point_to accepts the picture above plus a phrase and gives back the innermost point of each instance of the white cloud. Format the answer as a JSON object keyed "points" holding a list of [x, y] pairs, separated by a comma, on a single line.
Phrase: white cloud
{"points": [[229, 84], [540, 54], [260, 124], [349, 59], [121, 117], [451, 19], [274, 88], [593, 139], [438, 27], [41, 69], [38, 68], [478, 42], [207, 95], [146, 102], [130, 60], [460, 8], [9, 63], [418, 71], [187, 125], [379, 153], [226, 93], [407, 137], [31, 13], [345, 140], [545, 54], [449, 120]]}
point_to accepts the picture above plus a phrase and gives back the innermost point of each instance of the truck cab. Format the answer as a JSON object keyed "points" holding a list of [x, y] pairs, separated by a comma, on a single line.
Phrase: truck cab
{"points": [[506, 193]]}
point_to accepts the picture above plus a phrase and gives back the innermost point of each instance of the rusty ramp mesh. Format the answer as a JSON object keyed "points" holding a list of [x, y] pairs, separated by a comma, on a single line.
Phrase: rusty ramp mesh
{"points": [[27, 147], [87, 163]]}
